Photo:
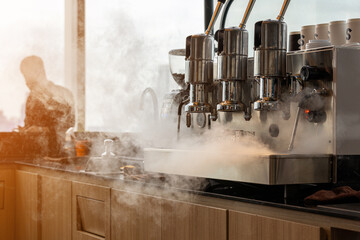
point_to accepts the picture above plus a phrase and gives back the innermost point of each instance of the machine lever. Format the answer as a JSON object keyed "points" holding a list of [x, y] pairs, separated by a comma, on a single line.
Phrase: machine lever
{"points": [[291, 145]]}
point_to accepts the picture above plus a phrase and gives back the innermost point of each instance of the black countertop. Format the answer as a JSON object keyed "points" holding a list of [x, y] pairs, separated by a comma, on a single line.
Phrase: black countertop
{"points": [[249, 193]]}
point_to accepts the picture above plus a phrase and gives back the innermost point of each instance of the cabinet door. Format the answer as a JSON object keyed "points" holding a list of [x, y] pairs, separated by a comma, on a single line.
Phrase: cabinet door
{"points": [[135, 216], [90, 212], [27, 206], [55, 208], [7, 204], [186, 221], [254, 227]]}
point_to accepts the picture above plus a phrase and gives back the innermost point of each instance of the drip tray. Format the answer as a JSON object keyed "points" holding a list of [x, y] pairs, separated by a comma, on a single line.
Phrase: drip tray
{"points": [[262, 169]]}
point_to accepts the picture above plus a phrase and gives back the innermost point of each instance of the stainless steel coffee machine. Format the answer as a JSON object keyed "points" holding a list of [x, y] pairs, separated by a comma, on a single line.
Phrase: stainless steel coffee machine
{"points": [[304, 106]]}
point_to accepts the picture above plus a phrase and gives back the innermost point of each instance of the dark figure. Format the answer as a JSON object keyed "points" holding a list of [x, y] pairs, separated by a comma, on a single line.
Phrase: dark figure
{"points": [[49, 107]]}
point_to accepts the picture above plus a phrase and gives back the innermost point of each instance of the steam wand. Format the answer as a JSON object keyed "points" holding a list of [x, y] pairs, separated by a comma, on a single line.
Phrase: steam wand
{"points": [[291, 145], [215, 16], [186, 101]]}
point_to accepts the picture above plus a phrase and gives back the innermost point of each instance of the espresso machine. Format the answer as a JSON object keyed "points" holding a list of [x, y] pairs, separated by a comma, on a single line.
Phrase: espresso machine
{"points": [[300, 104]]}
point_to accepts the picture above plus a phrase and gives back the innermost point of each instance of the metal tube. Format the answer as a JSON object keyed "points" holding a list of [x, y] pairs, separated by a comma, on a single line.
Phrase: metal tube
{"points": [[225, 13], [208, 11], [291, 145], [154, 100], [214, 16], [179, 114], [247, 14], [283, 10]]}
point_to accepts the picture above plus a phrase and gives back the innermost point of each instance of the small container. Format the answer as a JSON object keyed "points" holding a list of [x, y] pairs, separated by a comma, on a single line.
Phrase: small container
{"points": [[322, 31], [307, 34], [353, 30], [294, 41], [337, 32], [82, 148]]}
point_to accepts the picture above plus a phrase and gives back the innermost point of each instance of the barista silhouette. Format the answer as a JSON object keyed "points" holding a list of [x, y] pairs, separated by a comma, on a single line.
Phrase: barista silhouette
{"points": [[49, 107]]}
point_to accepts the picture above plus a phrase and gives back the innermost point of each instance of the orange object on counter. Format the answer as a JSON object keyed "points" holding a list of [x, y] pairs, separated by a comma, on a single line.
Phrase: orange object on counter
{"points": [[82, 148]]}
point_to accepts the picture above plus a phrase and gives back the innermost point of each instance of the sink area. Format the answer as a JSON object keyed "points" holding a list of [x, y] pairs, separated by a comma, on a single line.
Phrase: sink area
{"points": [[95, 165]]}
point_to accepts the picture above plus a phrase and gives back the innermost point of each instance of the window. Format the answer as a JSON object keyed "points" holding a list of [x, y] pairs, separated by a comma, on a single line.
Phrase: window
{"points": [[33, 27], [127, 45]]}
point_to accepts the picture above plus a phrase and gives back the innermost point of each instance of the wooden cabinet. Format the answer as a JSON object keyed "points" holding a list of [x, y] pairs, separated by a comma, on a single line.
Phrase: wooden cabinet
{"points": [[55, 208], [186, 221], [27, 206], [7, 204], [140, 217], [253, 227], [135, 216], [90, 212]]}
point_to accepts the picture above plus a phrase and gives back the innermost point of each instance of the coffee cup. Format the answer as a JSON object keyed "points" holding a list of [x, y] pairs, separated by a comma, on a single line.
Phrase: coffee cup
{"points": [[322, 31], [307, 34], [294, 41], [337, 32], [353, 30]]}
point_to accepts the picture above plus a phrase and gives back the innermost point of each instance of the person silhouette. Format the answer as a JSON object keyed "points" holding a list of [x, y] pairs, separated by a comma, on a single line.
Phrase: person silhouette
{"points": [[49, 107]]}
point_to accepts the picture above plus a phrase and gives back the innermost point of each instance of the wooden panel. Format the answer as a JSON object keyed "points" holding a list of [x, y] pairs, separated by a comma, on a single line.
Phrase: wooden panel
{"points": [[298, 231], [90, 192], [27, 206], [135, 216], [180, 220], [55, 209], [243, 226], [270, 229], [254, 227], [7, 212]]}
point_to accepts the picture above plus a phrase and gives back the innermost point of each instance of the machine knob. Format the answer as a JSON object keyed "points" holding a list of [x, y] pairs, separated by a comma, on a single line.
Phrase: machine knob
{"points": [[309, 73], [315, 116], [274, 130]]}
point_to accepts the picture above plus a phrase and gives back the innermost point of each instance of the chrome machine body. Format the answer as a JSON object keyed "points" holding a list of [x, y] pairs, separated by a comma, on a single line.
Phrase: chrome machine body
{"points": [[324, 87], [199, 71], [305, 102], [270, 62], [232, 68]]}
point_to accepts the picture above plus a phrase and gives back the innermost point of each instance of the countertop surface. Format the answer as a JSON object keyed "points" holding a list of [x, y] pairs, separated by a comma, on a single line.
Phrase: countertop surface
{"points": [[248, 193]]}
